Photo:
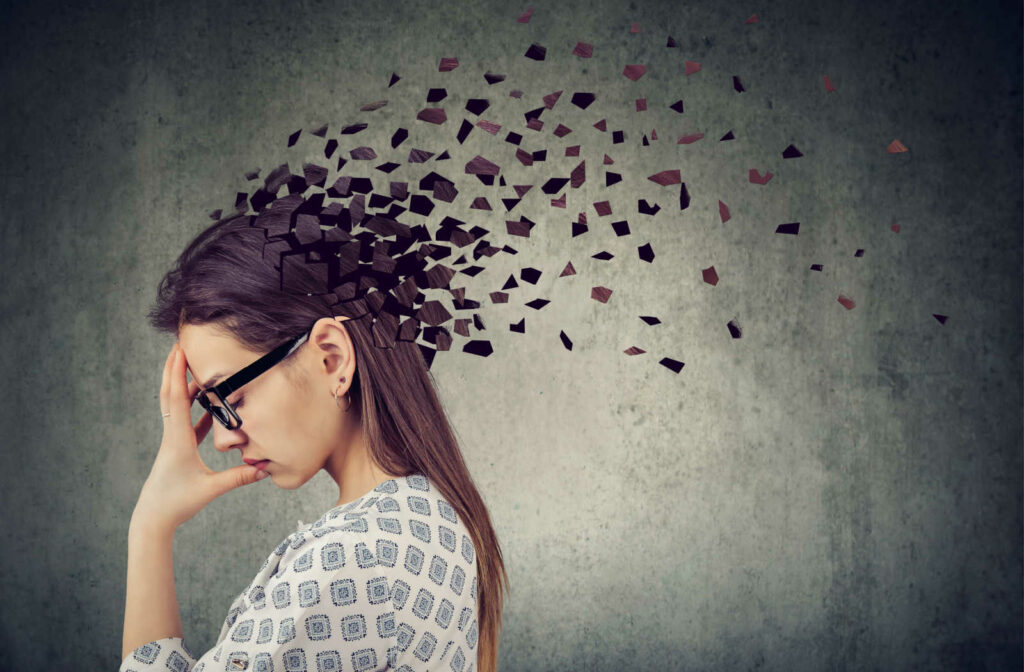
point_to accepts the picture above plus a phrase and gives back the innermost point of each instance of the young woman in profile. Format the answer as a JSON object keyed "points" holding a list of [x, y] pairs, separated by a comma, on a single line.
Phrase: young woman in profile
{"points": [[404, 573]]}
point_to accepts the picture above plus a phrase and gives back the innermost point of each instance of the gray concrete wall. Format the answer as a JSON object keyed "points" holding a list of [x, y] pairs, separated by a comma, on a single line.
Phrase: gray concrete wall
{"points": [[836, 490]]}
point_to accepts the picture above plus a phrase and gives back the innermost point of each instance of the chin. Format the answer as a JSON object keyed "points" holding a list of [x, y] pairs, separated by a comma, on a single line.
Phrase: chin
{"points": [[288, 484]]}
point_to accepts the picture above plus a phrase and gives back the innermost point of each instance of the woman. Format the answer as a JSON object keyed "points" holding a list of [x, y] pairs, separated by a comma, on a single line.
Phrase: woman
{"points": [[403, 573]]}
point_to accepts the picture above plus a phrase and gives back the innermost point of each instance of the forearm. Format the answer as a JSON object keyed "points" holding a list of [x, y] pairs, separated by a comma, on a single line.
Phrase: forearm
{"points": [[151, 603]]}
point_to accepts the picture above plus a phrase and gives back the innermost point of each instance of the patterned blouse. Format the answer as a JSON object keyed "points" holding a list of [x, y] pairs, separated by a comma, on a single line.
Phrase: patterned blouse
{"points": [[386, 582]]}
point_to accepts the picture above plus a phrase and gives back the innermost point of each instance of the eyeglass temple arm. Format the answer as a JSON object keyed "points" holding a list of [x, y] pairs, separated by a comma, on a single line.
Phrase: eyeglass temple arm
{"points": [[259, 366]]}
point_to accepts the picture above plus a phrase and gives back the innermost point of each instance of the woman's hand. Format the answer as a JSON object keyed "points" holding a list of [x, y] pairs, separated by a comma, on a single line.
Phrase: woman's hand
{"points": [[180, 484]]}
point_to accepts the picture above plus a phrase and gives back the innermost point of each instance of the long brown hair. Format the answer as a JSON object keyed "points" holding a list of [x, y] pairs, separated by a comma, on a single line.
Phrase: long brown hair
{"points": [[225, 278]]}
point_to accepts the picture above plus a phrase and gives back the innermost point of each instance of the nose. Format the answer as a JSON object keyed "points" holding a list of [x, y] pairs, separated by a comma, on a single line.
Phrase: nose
{"points": [[225, 439]]}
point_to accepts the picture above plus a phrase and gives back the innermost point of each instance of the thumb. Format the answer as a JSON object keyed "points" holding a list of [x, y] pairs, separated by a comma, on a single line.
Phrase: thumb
{"points": [[236, 477]]}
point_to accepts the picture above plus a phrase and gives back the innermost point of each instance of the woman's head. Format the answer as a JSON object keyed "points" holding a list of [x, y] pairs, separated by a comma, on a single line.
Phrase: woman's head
{"points": [[228, 301], [298, 414]]}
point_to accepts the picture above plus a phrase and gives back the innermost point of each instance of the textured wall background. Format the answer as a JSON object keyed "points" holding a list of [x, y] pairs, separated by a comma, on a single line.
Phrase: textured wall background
{"points": [[837, 489]]}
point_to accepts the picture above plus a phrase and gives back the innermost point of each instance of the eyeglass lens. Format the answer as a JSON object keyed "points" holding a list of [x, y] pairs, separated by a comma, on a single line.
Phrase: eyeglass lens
{"points": [[212, 404]]}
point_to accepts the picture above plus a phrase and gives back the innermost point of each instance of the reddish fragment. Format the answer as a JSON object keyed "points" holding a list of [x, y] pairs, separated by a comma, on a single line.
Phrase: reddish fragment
{"points": [[521, 189], [654, 134], [723, 212], [489, 126], [756, 177], [419, 155], [433, 115], [641, 104], [518, 228], [444, 191], [480, 203], [633, 350], [525, 16], [448, 64], [558, 202], [524, 157], [635, 28], [601, 125], [568, 270], [667, 177], [897, 147], [535, 123], [562, 130], [551, 99], [578, 175], [481, 166], [846, 301], [603, 208], [688, 139], [572, 151], [515, 93], [608, 160], [709, 275], [314, 175], [583, 50], [829, 86], [752, 19], [601, 294], [692, 67], [370, 107], [895, 228], [363, 153], [635, 72]]}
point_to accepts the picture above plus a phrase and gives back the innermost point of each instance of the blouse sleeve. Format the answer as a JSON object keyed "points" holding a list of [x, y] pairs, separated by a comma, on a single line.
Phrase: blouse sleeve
{"points": [[328, 606], [168, 653]]}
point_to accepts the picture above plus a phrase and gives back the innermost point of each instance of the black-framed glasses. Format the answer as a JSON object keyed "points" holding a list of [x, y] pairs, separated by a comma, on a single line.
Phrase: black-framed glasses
{"points": [[218, 405]]}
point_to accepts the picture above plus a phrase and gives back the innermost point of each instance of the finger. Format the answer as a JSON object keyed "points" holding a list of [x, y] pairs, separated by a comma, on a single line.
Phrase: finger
{"points": [[180, 401], [202, 428], [165, 382]]}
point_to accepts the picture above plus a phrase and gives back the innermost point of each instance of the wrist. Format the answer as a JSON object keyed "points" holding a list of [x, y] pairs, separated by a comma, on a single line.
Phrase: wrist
{"points": [[146, 526]]}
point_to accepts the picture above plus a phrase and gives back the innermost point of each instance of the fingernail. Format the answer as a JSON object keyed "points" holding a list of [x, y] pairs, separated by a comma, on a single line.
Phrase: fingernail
{"points": [[260, 475]]}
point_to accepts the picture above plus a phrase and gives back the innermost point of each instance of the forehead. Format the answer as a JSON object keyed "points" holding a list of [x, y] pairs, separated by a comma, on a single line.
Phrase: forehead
{"points": [[210, 351]]}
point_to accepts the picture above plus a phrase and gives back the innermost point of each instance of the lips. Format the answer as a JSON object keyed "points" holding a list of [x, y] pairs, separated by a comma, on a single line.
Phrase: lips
{"points": [[260, 464]]}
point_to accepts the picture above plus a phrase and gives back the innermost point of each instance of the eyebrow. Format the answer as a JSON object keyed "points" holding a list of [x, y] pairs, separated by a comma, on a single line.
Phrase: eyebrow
{"points": [[211, 381]]}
